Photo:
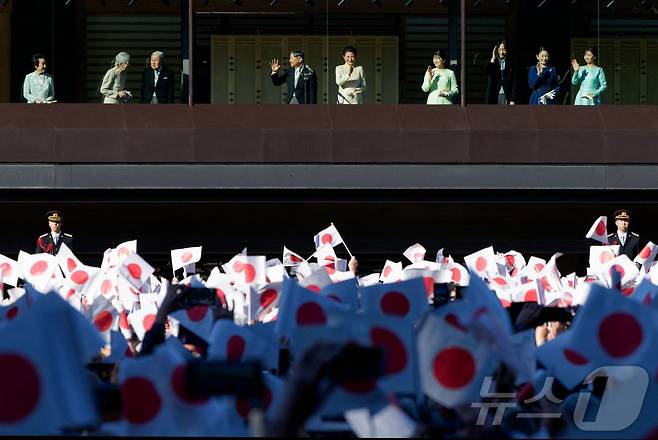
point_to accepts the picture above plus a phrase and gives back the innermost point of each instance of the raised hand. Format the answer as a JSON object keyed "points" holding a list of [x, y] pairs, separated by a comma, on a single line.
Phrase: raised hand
{"points": [[430, 71], [274, 64], [575, 65], [494, 53]]}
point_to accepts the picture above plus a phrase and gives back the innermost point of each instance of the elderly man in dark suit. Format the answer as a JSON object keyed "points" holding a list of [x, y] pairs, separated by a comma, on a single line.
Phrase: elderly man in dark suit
{"points": [[302, 80], [502, 77], [157, 82], [629, 242]]}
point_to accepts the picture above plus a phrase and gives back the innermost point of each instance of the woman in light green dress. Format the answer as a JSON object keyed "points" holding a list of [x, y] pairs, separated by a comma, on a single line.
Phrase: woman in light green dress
{"points": [[440, 82], [591, 79]]}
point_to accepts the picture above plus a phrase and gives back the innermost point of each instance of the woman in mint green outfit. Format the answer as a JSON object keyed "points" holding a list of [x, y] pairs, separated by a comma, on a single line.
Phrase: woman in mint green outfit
{"points": [[440, 81], [591, 79]]}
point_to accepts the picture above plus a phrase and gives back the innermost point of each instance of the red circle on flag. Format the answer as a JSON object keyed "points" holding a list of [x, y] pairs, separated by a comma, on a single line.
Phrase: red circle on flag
{"points": [[605, 257], [628, 291], [123, 320], [646, 251], [530, 296], [135, 271], [71, 264], [574, 357], [123, 251], [196, 313], [38, 268], [69, 294], [539, 267], [600, 229], [510, 260], [453, 367], [243, 407], [387, 271], [12, 312], [187, 256], [238, 266], [268, 297], [148, 321], [140, 400], [617, 268], [103, 321], [545, 284], [20, 385], [394, 303], [6, 270], [500, 281], [79, 277], [620, 334], [249, 273], [504, 303], [106, 286], [178, 379], [480, 264], [456, 275], [311, 313], [235, 348], [394, 349], [330, 269], [326, 238], [295, 259], [313, 288]]}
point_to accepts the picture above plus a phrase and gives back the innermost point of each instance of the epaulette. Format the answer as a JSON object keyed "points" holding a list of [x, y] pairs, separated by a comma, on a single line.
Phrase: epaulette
{"points": [[633, 233], [68, 235], [41, 236], [610, 235]]}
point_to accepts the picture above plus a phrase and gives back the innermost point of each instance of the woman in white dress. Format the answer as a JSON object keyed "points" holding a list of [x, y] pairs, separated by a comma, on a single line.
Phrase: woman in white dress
{"points": [[38, 86], [440, 81], [113, 87], [350, 79]]}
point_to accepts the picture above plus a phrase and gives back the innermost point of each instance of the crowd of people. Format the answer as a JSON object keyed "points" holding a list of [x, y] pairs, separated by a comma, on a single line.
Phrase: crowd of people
{"points": [[439, 82], [297, 346]]}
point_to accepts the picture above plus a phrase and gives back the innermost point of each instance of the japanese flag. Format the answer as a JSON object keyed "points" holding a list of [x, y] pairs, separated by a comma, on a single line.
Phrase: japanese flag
{"points": [[317, 280], [118, 254], [275, 271], [599, 256], [515, 262], [83, 277], [415, 253], [67, 261], [369, 280], [647, 255], [272, 399], [389, 422], [248, 270], [530, 291], [550, 278], [185, 256], [482, 262], [37, 269], [328, 236], [453, 273], [136, 270], [533, 268], [102, 315], [235, 343], [290, 258], [645, 292], [126, 293], [452, 363], [344, 293], [44, 381], [197, 319], [10, 270], [599, 230], [406, 299], [262, 300], [142, 320], [619, 272], [391, 273]]}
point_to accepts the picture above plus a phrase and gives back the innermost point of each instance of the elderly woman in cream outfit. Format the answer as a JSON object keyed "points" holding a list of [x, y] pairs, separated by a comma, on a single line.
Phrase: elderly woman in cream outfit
{"points": [[350, 79], [440, 82], [113, 87]]}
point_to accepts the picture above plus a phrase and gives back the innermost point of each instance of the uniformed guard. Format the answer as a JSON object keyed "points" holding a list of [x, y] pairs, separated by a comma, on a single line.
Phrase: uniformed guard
{"points": [[49, 243], [629, 242]]}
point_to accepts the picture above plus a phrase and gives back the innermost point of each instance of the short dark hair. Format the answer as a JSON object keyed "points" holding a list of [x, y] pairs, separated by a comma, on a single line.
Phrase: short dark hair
{"points": [[36, 57], [442, 54], [540, 49], [349, 49], [592, 49], [297, 53]]}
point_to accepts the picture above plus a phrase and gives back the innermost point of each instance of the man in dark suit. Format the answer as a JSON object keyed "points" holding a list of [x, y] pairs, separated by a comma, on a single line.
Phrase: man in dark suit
{"points": [[157, 82], [302, 80], [629, 241], [50, 243], [502, 77]]}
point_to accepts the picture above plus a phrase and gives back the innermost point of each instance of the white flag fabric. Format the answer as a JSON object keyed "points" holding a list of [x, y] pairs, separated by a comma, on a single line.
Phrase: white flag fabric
{"points": [[136, 270], [37, 269], [389, 422], [291, 258], [197, 319], [142, 320], [67, 261], [415, 253], [599, 256], [235, 343], [452, 363], [183, 257], [453, 273], [391, 273], [619, 272], [10, 270], [329, 236], [482, 262], [40, 396], [599, 230], [102, 315], [515, 262], [344, 293], [647, 255], [317, 280], [406, 300], [261, 301]]}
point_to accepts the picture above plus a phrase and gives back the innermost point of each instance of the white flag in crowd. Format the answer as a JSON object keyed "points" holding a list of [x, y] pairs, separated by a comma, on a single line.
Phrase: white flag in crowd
{"points": [[599, 230], [328, 236], [185, 256]]}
